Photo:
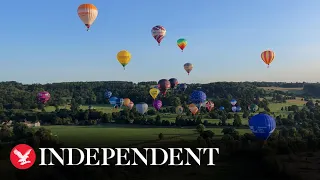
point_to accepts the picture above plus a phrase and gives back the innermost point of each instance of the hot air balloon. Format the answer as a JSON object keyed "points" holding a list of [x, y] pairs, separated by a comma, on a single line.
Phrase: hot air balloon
{"points": [[120, 102], [163, 86], [43, 97], [262, 126], [154, 92], [173, 82], [234, 108], [124, 58], [182, 87], [188, 67], [88, 14], [193, 109], [142, 107], [221, 108], [107, 94], [253, 107], [158, 33], [179, 110], [157, 104], [182, 43], [130, 105], [198, 97], [113, 100], [209, 105], [238, 108], [267, 57], [233, 102], [126, 101]]}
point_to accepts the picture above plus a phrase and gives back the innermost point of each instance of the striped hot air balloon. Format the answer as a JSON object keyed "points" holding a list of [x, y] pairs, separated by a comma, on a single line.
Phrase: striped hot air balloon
{"points": [[267, 57], [88, 14], [158, 33]]}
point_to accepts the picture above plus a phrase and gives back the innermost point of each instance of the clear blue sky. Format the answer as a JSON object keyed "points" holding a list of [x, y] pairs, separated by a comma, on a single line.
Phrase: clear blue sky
{"points": [[45, 41]]}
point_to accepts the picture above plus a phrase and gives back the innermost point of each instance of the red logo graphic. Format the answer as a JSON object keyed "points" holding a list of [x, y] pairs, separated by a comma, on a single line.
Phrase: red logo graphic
{"points": [[22, 156]]}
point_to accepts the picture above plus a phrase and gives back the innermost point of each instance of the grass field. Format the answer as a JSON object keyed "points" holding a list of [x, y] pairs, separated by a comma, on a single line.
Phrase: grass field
{"points": [[292, 90], [123, 136]]}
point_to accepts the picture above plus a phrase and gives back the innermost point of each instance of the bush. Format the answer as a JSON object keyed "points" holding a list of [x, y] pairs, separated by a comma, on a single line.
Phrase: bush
{"points": [[200, 128], [160, 136]]}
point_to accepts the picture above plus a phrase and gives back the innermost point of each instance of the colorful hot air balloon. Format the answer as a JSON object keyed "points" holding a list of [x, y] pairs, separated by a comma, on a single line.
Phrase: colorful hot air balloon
{"points": [[197, 98], [124, 58], [182, 43], [157, 104], [43, 97], [107, 94], [130, 105], [154, 92], [113, 100], [179, 110], [221, 108], [193, 109], [126, 101], [182, 87], [163, 86], [209, 105], [188, 67], [233, 102], [173, 82], [238, 108], [88, 14], [142, 107], [234, 108], [158, 33], [267, 57], [262, 126], [253, 107]]}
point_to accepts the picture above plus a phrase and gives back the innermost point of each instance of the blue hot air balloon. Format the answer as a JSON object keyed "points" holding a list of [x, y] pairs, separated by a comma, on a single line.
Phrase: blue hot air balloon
{"points": [[107, 94], [198, 97], [113, 100], [142, 107], [182, 87], [221, 108], [238, 108], [233, 102], [262, 126], [120, 102]]}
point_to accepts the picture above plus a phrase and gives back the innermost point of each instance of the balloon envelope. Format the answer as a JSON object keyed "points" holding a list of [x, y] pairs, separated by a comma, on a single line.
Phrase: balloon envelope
{"points": [[182, 87], [267, 57], [179, 110], [113, 100], [124, 57], [88, 14], [154, 92], [234, 108], [221, 108], [233, 102], [198, 97], [193, 109], [238, 108], [158, 33], [209, 105], [107, 94], [130, 105], [142, 108], [120, 102], [43, 96], [188, 67], [126, 101], [262, 126], [157, 104], [163, 85], [182, 43], [173, 82]]}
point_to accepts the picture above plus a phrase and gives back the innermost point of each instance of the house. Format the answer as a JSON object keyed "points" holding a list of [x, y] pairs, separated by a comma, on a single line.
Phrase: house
{"points": [[29, 124]]}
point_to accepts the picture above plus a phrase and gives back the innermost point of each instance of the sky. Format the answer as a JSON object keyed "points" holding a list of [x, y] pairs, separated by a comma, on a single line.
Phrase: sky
{"points": [[45, 41]]}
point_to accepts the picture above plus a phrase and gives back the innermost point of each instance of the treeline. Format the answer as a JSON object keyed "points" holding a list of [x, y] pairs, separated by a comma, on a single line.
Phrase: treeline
{"points": [[279, 84]]}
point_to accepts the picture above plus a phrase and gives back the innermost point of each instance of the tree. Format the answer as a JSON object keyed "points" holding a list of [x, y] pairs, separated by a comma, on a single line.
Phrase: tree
{"points": [[200, 128], [237, 120]]}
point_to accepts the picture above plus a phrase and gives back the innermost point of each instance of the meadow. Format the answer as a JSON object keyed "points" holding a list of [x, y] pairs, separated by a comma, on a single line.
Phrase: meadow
{"points": [[132, 135]]}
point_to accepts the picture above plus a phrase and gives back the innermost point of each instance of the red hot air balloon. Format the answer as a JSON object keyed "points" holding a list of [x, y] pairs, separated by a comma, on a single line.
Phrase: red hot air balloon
{"points": [[163, 86], [43, 97], [209, 105], [158, 33]]}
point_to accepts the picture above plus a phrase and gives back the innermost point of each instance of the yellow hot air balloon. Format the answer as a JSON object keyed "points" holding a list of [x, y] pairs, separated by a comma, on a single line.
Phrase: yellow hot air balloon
{"points": [[88, 14], [154, 92], [193, 109], [124, 58], [126, 101]]}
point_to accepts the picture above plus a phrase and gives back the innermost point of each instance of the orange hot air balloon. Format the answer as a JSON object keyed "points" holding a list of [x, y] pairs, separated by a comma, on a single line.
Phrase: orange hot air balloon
{"points": [[267, 57], [193, 109], [88, 14], [126, 101]]}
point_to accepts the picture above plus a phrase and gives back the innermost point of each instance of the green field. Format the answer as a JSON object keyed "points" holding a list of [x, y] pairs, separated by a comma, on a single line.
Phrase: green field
{"points": [[123, 136]]}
